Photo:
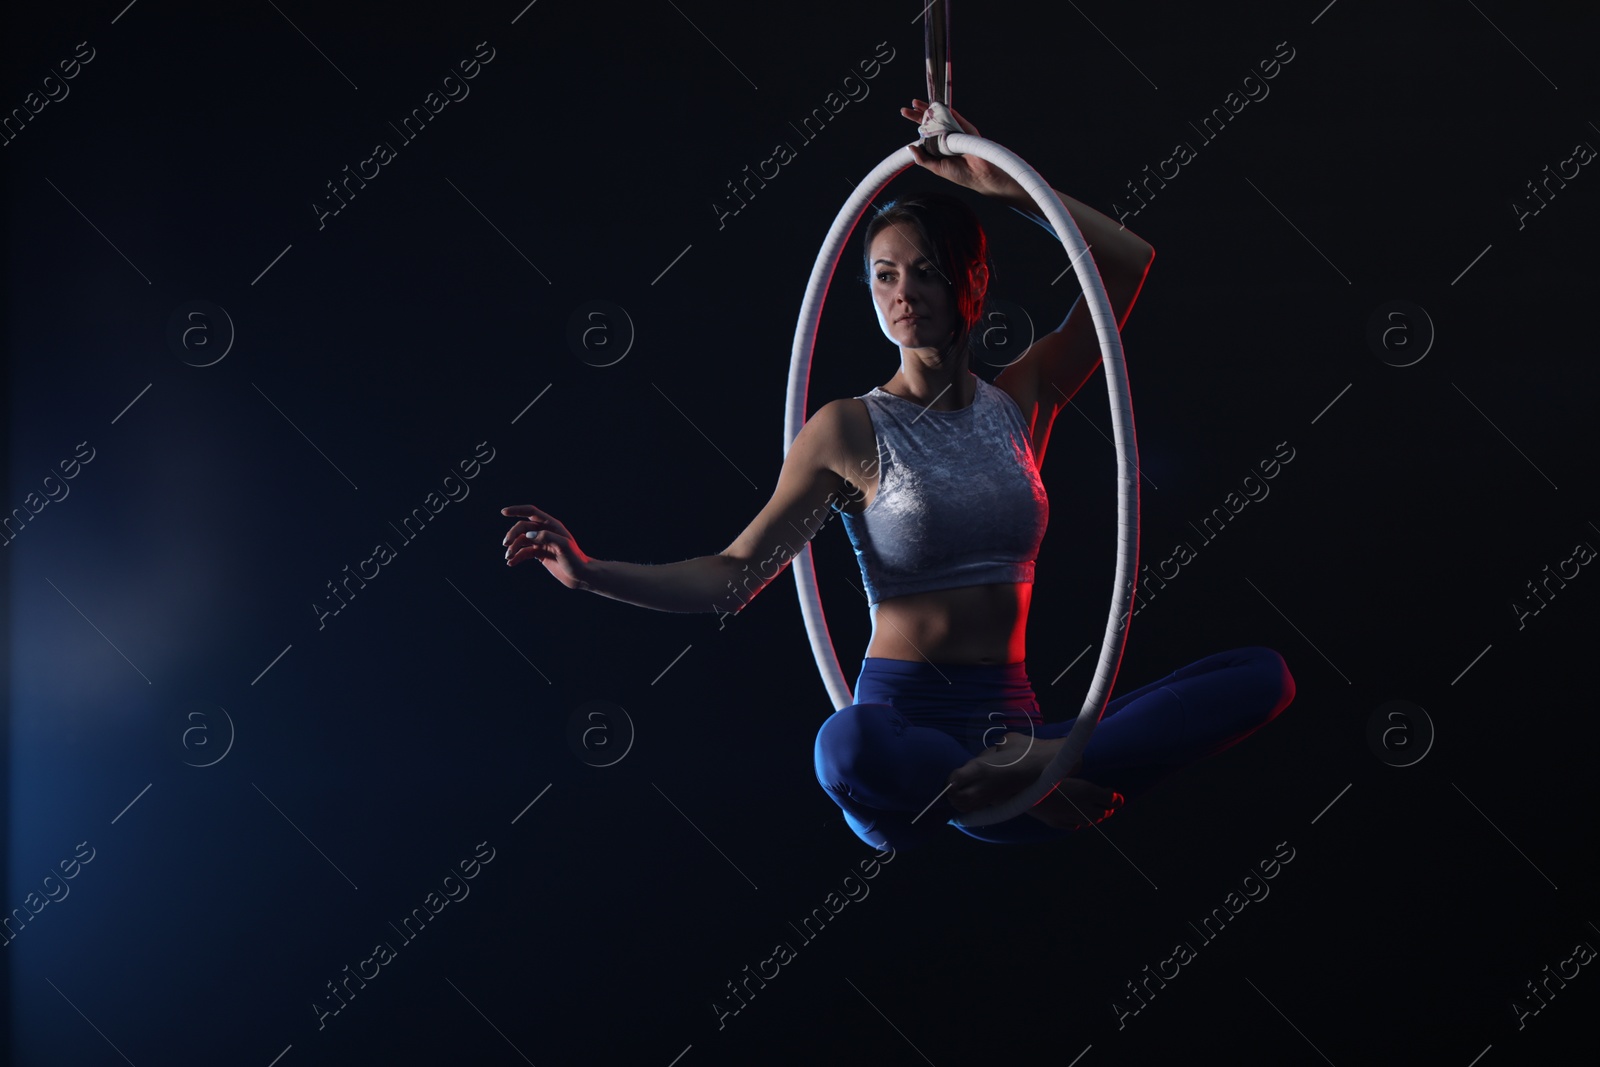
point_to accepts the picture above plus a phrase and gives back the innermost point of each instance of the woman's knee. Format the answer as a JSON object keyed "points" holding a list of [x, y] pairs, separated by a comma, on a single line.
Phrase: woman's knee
{"points": [[1270, 674], [851, 740]]}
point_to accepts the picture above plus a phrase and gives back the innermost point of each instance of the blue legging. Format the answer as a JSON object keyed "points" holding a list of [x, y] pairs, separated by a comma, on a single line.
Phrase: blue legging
{"points": [[885, 758]]}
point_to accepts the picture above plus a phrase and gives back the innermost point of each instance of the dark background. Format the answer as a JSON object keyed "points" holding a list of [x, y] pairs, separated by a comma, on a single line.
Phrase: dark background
{"points": [[147, 607]]}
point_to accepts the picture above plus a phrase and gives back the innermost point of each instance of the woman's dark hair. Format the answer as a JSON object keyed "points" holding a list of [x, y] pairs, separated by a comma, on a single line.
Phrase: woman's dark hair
{"points": [[946, 231]]}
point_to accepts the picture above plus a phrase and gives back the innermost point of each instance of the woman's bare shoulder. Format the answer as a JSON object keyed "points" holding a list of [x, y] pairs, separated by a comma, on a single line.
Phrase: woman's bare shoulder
{"points": [[850, 410], [848, 439], [850, 423]]}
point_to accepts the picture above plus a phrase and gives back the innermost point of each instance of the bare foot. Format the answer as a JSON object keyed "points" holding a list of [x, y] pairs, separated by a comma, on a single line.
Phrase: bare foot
{"points": [[1074, 804], [1001, 771], [1004, 770]]}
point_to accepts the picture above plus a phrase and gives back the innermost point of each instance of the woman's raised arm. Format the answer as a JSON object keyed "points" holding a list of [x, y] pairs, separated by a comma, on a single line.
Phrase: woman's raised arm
{"points": [[1117, 250], [1055, 366]]}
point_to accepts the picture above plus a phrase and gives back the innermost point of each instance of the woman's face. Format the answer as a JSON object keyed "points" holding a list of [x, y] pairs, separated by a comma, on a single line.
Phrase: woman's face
{"points": [[916, 308]]}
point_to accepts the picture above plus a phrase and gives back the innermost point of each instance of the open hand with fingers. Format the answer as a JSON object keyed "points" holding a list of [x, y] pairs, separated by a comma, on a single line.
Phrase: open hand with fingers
{"points": [[541, 536]]}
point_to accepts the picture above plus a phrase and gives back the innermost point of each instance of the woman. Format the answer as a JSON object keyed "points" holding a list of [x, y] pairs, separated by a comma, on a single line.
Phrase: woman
{"points": [[936, 473]]}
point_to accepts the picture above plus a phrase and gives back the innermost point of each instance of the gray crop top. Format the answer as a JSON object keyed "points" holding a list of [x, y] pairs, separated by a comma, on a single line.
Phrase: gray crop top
{"points": [[959, 499]]}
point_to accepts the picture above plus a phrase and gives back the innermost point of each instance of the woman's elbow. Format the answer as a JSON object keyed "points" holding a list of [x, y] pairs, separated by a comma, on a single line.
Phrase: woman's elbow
{"points": [[743, 583]]}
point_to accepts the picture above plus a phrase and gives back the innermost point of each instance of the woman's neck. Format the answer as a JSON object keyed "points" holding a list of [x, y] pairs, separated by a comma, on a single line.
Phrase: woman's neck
{"points": [[939, 388]]}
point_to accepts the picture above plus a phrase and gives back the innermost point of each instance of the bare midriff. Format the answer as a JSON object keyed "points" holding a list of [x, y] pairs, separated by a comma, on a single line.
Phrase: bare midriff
{"points": [[970, 624]]}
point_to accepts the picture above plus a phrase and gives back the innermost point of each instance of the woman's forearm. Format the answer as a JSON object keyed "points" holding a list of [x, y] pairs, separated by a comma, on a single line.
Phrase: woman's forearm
{"points": [[699, 584], [1112, 243]]}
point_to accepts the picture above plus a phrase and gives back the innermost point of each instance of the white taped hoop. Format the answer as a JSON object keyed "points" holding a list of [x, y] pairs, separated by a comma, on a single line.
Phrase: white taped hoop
{"points": [[1121, 422]]}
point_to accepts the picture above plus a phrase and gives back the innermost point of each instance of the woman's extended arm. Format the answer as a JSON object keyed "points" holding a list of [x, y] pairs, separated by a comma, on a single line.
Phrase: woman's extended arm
{"points": [[725, 582], [682, 586]]}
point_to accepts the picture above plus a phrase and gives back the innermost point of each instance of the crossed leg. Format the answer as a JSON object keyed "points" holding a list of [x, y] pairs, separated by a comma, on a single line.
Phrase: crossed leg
{"points": [[893, 779]]}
